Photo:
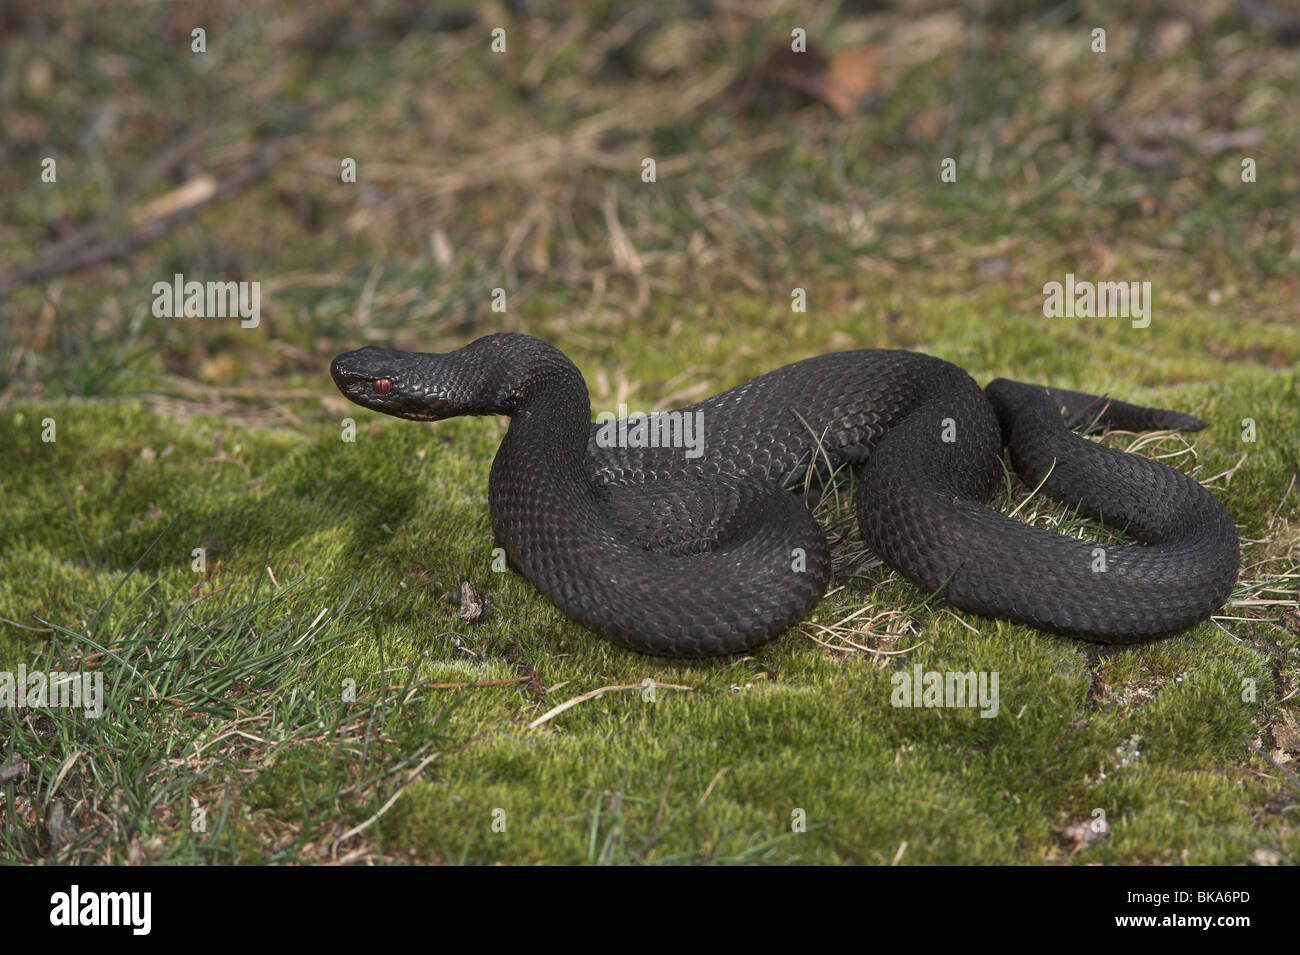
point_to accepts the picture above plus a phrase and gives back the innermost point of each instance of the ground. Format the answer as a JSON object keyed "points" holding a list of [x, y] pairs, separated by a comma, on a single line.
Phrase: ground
{"points": [[305, 692]]}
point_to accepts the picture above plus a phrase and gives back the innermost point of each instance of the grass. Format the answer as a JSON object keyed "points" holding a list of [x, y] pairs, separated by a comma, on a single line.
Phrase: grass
{"points": [[309, 696]]}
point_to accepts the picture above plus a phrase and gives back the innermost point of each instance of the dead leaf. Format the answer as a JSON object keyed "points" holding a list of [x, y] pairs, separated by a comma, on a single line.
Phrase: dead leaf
{"points": [[850, 76], [786, 79]]}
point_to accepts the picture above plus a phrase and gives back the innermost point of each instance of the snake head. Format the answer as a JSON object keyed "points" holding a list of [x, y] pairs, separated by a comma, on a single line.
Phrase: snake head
{"points": [[403, 384], [425, 386]]}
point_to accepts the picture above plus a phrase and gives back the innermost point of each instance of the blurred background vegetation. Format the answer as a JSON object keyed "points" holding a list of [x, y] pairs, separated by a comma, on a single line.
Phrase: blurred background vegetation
{"points": [[522, 171]]}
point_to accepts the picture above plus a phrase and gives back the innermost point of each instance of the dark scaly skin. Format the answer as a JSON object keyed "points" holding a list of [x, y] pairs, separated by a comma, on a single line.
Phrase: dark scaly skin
{"points": [[698, 557]]}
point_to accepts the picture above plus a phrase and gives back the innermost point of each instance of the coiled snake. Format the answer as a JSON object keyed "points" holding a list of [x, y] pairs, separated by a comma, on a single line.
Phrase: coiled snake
{"points": [[706, 553]]}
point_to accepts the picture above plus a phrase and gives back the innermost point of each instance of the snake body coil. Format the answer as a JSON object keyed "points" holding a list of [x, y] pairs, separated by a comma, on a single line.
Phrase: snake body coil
{"points": [[709, 554]]}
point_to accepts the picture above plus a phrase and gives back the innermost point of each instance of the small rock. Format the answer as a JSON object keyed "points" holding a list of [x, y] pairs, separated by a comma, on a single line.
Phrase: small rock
{"points": [[1082, 834], [57, 826], [16, 768], [1287, 737], [472, 604]]}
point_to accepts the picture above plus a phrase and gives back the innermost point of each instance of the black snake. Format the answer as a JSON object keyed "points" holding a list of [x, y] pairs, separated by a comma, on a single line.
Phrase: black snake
{"points": [[704, 553]]}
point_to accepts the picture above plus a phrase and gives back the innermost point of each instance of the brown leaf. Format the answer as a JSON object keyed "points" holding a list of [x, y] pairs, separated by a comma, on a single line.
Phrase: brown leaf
{"points": [[786, 79], [850, 76]]}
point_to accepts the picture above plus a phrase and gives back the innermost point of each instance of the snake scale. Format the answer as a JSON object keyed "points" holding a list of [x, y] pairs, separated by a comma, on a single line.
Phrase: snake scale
{"points": [[681, 555]]}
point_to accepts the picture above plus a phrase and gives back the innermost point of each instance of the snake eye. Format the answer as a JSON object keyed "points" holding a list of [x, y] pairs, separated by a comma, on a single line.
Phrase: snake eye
{"points": [[383, 386]]}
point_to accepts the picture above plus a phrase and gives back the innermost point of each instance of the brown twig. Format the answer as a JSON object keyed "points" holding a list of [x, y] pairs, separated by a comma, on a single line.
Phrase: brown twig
{"points": [[601, 691]]}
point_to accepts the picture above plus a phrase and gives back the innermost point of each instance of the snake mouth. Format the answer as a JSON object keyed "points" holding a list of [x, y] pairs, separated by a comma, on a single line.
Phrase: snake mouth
{"points": [[432, 410]]}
